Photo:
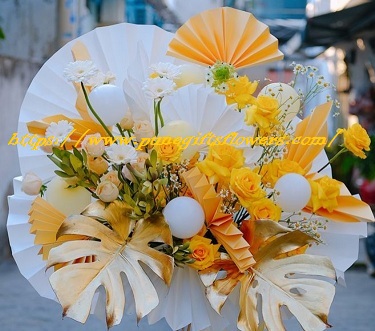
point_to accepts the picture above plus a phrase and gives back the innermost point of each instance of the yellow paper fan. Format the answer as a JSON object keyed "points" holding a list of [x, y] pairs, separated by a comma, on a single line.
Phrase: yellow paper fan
{"points": [[45, 221], [226, 34]]}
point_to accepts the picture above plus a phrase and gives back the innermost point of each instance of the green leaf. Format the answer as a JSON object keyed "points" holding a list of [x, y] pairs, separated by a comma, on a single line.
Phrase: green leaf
{"points": [[84, 156], [81, 173], [77, 154], [62, 174], [153, 158], [2, 35], [75, 162], [67, 169], [57, 152], [55, 160]]}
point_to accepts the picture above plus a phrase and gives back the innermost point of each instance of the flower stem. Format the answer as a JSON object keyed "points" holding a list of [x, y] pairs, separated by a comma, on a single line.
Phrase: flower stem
{"points": [[156, 118], [343, 150], [160, 114], [94, 112]]}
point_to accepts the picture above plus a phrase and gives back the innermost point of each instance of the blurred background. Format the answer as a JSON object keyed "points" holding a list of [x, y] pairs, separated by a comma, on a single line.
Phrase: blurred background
{"points": [[336, 36]]}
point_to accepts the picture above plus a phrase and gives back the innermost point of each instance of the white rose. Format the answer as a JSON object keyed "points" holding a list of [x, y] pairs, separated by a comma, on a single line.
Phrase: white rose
{"points": [[31, 184], [93, 146], [138, 166], [107, 191], [127, 122], [143, 129], [112, 176]]}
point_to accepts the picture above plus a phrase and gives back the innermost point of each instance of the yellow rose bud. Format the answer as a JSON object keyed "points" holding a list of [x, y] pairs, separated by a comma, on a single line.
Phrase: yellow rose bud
{"points": [[168, 153], [220, 161], [245, 183], [263, 113], [264, 209], [272, 171], [97, 164], [356, 140], [324, 193], [107, 191], [203, 252]]}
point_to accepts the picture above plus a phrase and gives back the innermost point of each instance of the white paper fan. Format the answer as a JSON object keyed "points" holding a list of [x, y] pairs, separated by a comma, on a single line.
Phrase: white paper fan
{"points": [[113, 49], [204, 109]]}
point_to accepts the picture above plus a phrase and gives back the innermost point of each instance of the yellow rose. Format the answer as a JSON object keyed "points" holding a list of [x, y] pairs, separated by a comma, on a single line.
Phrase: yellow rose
{"points": [[264, 209], [240, 91], [324, 193], [97, 164], [245, 183], [168, 153], [272, 171], [356, 140], [263, 113], [203, 252], [220, 161]]}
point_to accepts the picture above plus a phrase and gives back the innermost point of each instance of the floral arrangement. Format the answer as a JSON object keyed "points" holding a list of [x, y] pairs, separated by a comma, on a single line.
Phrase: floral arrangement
{"points": [[217, 185]]}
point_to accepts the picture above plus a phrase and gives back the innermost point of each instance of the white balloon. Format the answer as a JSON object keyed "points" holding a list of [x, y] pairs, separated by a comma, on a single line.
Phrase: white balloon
{"points": [[183, 129], [69, 201], [109, 103], [191, 74], [293, 192], [287, 96], [185, 217], [177, 128]]}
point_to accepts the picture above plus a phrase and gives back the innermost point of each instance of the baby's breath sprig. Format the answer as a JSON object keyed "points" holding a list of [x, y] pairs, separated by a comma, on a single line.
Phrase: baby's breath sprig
{"points": [[310, 83]]}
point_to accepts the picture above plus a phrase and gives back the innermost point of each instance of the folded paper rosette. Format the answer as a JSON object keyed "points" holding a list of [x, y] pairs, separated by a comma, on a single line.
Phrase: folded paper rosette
{"points": [[159, 182]]}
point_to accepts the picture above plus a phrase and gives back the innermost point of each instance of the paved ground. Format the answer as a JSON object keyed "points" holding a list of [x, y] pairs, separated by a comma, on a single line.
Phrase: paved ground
{"points": [[21, 308]]}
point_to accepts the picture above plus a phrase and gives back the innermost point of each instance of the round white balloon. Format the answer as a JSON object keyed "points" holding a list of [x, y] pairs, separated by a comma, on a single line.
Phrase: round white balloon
{"points": [[287, 96], [185, 217], [69, 201], [109, 103], [293, 192], [183, 129], [177, 128], [191, 74]]}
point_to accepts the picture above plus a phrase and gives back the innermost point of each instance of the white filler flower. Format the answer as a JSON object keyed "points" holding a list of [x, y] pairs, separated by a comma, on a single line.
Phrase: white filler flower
{"points": [[156, 88], [80, 71], [59, 131], [121, 154]]}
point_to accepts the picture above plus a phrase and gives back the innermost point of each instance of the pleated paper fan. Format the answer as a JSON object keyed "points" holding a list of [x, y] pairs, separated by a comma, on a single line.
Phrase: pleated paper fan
{"points": [[205, 110], [113, 49], [225, 34]]}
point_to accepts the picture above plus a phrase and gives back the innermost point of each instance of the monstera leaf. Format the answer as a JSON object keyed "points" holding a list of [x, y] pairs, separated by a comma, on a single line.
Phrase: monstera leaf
{"points": [[303, 283], [115, 252]]}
